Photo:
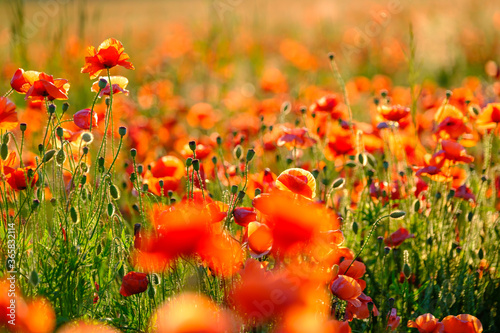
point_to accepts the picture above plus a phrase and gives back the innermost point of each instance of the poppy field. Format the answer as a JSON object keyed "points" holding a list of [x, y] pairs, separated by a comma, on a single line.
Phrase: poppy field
{"points": [[221, 166]]}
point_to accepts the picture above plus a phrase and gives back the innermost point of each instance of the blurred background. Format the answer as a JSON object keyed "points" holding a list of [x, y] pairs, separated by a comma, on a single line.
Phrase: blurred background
{"points": [[226, 43]]}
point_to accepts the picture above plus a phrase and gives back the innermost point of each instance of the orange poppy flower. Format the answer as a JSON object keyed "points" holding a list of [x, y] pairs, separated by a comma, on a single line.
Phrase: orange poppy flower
{"points": [[347, 289], [108, 55], [8, 114], [463, 323], [274, 81], [22, 81], [489, 117], [134, 283], [398, 237], [426, 323], [297, 181], [202, 115], [453, 151], [119, 84], [222, 254], [170, 169], [190, 312], [362, 311], [48, 87], [260, 239]]}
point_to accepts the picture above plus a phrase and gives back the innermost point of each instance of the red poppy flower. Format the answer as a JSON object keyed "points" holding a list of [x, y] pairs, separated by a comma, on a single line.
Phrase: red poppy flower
{"points": [[398, 237], [244, 215], [329, 104], [295, 138], [108, 55], [394, 113], [452, 128], [48, 87], [8, 114], [490, 117], [362, 311], [82, 119], [426, 323], [134, 283], [393, 320], [297, 181], [22, 81], [170, 169], [17, 177]]}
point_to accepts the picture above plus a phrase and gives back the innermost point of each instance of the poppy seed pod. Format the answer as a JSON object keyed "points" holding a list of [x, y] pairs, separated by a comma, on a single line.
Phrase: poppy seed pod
{"points": [[65, 107], [192, 145], [102, 83], [196, 165], [122, 131], [250, 154], [189, 161], [51, 109], [237, 152], [133, 152], [22, 127], [4, 151], [234, 189]]}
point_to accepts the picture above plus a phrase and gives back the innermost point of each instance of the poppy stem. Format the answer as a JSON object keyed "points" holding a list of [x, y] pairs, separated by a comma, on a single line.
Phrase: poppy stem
{"points": [[366, 241]]}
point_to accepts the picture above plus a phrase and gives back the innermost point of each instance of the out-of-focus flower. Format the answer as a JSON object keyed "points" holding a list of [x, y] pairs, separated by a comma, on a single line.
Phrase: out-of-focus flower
{"points": [[395, 113], [244, 215], [260, 239], [426, 323], [463, 323], [273, 81], [87, 327], [393, 319], [202, 115], [83, 117], [295, 138], [8, 114], [109, 54], [329, 104], [398, 237], [191, 312], [119, 84], [134, 283], [19, 178], [169, 169]]}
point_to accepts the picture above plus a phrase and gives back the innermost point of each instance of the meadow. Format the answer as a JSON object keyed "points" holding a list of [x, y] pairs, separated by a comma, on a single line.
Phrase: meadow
{"points": [[249, 166]]}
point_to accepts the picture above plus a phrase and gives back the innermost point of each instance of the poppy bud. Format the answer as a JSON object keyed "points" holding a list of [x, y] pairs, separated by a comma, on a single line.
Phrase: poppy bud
{"points": [[145, 187], [399, 214], [192, 145], [470, 215], [383, 93], [170, 193], [114, 192], [51, 109], [48, 155], [102, 83], [65, 107], [387, 250], [53, 202], [189, 161], [385, 164], [214, 160], [34, 278], [40, 148], [87, 137], [60, 132], [196, 165], [36, 203], [459, 249], [390, 302], [407, 270], [355, 227], [376, 101], [257, 192], [172, 201], [60, 157], [74, 214], [108, 101], [234, 189], [241, 195], [83, 180], [133, 177], [416, 205], [380, 239], [237, 152], [338, 183], [85, 150], [480, 254], [22, 126], [250, 154], [331, 56], [133, 152], [151, 291], [111, 209], [289, 161], [350, 164], [4, 151], [219, 140], [122, 131]]}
